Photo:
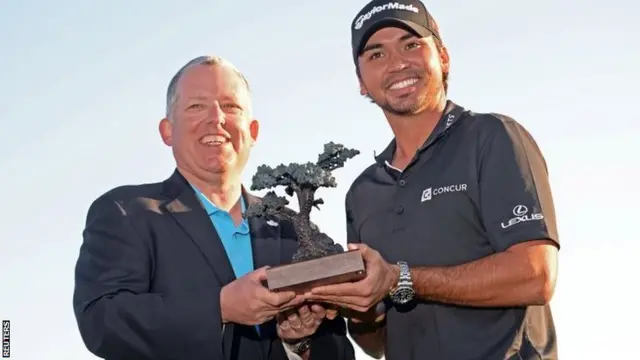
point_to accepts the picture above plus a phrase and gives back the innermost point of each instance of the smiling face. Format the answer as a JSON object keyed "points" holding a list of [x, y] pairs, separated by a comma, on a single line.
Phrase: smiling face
{"points": [[402, 73], [210, 127]]}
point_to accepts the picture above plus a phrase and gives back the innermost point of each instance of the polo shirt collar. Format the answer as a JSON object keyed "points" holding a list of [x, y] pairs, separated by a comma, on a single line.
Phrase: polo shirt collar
{"points": [[211, 209], [444, 124]]}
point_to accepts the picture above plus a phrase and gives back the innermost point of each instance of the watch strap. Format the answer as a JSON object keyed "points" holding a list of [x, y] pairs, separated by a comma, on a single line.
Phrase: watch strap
{"points": [[299, 347], [404, 279], [405, 274]]}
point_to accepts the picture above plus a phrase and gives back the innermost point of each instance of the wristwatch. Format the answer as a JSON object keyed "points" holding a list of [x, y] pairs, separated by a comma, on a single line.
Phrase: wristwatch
{"points": [[403, 292], [299, 347]]}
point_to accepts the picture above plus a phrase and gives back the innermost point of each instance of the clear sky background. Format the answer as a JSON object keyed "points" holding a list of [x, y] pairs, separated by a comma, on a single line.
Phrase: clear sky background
{"points": [[83, 88]]}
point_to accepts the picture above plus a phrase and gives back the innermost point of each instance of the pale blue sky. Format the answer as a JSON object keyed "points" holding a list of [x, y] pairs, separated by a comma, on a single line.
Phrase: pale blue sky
{"points": [[83, 86]]}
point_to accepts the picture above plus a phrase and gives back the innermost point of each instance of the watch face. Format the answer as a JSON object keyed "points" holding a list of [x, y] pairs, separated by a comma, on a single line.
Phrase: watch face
{"points": [[302, 346], [403, 295]]}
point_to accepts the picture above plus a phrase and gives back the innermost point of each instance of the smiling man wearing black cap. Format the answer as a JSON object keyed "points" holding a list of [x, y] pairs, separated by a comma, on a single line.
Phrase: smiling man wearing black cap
{"points": [[455, 220]]}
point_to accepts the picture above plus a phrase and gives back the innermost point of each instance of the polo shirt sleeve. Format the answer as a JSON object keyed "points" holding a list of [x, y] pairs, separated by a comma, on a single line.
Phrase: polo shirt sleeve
{"points": [[352, 235], [515, 196]]}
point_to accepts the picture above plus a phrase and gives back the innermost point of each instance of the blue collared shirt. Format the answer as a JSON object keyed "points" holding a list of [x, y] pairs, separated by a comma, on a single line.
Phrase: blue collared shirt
{"points": [[236, 239]]}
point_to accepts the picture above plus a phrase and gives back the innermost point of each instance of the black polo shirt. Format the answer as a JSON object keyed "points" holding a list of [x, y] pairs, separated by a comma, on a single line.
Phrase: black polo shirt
{"points": [[477, 186]]}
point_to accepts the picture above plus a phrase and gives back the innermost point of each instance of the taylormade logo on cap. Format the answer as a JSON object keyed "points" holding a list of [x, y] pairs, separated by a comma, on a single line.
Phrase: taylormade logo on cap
{"points": [[390, 6]]}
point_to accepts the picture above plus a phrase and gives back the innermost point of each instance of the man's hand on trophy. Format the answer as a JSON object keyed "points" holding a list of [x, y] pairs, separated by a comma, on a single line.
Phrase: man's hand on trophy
{"points": [[364, 294], [299, 323], [247, 301], [374, 315], [332, 311]]}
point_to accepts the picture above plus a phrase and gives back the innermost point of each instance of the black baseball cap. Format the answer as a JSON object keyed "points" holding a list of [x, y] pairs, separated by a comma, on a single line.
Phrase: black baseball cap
{"points": [[410, 15]]}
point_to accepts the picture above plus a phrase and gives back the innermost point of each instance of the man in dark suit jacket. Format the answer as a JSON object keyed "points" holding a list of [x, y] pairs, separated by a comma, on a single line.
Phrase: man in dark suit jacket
{"points": [[161, 275]]}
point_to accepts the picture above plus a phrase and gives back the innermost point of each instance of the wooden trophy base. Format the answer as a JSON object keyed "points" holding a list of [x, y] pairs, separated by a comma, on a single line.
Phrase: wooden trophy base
{"points": [[302, 276]]}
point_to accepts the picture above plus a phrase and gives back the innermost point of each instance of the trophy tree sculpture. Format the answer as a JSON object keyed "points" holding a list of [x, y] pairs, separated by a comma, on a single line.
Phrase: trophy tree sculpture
{"points": [[318, 260]]}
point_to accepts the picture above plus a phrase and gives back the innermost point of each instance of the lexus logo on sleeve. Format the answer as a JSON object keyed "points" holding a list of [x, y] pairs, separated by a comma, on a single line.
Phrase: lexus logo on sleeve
{"points": [[522, 215], [520, 210]]}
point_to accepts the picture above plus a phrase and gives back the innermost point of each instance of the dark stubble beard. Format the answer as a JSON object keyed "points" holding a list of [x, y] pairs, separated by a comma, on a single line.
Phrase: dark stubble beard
{"points": [[421, 103], [417, 107]]}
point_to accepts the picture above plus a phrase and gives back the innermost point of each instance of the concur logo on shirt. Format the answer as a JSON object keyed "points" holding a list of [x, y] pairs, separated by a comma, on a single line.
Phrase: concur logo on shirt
{"points": [[430, 192], [376, 9]]}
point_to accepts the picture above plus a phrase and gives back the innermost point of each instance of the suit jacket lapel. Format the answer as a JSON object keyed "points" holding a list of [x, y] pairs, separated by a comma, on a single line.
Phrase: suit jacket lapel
{"points": [[265, 237], [266, 243], [189, 213]]}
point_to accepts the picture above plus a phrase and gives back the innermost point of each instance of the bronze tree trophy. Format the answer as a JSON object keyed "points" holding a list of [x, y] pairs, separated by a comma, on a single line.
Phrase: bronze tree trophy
{"points": [[318, 260]]}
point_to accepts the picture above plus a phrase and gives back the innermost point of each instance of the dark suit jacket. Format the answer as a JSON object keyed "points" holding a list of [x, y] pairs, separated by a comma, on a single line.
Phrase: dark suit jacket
{"points": [[149, 274]]}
